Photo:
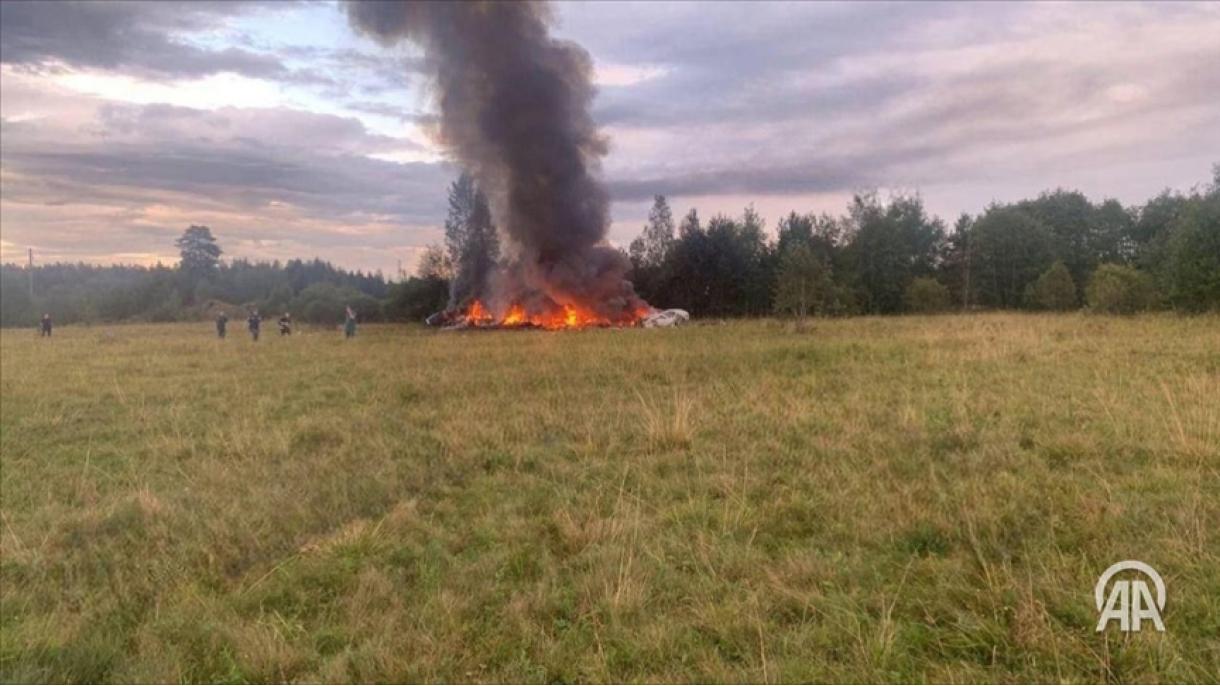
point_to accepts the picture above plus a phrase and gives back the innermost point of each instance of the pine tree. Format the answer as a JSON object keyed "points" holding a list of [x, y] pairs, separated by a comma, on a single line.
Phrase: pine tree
{"points": [[470, 240], [658, 236], [199, 251], [200, 259]]}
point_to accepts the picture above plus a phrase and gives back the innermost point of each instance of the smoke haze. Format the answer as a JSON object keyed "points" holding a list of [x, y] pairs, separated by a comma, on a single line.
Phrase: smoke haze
{"points": [[514, 105]]}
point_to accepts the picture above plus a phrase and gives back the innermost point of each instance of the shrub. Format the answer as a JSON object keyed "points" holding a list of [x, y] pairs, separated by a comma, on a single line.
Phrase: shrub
{"points": [[1116, 289], [926, 295], [416, 298], [327, 303], [1054, 290]]}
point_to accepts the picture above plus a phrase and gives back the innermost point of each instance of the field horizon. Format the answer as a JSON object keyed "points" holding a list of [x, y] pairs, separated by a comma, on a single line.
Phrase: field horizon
{"points": [[914, 498]]}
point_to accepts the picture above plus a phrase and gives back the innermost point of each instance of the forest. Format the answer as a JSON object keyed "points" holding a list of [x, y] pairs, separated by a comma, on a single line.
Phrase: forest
{"points": [[883, 255], [1059, 251]]}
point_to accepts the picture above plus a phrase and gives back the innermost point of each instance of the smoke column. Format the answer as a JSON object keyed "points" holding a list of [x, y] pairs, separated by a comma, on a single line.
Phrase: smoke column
{"points": [[514, 105]]}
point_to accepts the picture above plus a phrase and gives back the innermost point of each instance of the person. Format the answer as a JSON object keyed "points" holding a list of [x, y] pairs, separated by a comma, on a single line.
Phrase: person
{"points": [[286, 325], [253, 323], [222, 320], [349, 324], [46, 325]]}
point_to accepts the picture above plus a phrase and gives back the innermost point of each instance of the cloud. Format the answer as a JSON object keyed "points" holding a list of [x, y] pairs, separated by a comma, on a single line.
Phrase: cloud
{"points": [[812, 98], [145, 39], [102, 176], [290, 141]]}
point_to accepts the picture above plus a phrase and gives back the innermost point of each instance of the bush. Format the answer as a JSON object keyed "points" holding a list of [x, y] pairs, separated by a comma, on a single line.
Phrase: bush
{"points": [[416, 298], [1116, 289], [327, 303], [926, 295], [1054, 290]]}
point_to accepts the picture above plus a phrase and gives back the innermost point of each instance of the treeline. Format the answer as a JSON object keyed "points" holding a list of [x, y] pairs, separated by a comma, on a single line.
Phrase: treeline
{"points": [[313, 291], [1058, 251]]}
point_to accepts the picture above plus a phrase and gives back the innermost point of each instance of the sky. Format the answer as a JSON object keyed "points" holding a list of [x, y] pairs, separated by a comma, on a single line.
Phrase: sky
{"points": [[290, 135]]}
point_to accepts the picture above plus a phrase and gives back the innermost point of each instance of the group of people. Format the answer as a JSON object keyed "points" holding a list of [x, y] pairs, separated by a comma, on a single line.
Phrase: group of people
{"points": [[254, 324]]}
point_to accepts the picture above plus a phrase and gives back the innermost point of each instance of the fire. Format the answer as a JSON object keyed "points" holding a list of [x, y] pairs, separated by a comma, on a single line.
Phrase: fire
{"points": [[515, 316], [477, 314], [568, 316]]}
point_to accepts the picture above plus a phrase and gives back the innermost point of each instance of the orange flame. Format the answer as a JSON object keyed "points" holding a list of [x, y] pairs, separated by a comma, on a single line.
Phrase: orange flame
{"points": [[568, 317]]}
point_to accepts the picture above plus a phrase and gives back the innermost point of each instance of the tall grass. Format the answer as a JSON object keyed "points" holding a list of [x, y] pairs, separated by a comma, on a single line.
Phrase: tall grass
{"points": [[919, 498]]}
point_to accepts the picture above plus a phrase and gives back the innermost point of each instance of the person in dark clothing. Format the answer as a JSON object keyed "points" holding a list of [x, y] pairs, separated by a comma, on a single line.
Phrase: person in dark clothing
{"points": [[46, 326], [253, 321], [222, 320], [286, 325], [349, 324]]}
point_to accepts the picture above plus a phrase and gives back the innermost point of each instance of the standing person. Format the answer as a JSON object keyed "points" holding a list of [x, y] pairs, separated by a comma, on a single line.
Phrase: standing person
{"points": [[253, 321], [286, 325], [349, 324], [46, 325], [222, 320]]}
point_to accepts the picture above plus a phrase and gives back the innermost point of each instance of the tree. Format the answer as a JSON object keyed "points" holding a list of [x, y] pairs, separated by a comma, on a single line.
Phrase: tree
{"points": [[200, 257], [690, 224], [416, 298], [435, 264], [1054, 289], [758, 285], [803, 285], [1068, 217], [793, 230], [1119, 289], [889, 245], [649, 253], [686, 268], [1193, 255], [658, 236], [1110, 233], [955, 268], [724, 270], [471, 240], [926, 295], [733, 271], [16, 307], [1009, 250], [199, 251]]}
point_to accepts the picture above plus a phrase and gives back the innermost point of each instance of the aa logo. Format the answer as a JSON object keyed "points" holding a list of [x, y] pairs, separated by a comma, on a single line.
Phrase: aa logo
{"points": [[1130, 600]]}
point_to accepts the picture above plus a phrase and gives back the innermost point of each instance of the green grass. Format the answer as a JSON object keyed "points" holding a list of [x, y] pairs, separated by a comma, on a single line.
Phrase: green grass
{"points": [[918, 498]]}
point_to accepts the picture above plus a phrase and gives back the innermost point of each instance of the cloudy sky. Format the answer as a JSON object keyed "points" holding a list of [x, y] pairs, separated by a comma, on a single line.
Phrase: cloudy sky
{"points": [[291, 136]]}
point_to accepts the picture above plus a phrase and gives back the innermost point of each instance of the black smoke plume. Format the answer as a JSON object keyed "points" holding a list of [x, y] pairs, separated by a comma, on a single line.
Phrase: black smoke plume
{"points": [[514, 105]]}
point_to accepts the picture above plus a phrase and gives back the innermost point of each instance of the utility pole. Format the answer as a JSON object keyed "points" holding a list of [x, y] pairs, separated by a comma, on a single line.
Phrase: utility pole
{"points": [[31, 270]]}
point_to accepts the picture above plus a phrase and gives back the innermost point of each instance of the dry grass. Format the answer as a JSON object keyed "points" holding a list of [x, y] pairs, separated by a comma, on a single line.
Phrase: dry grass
{"points": [[922, 498]]}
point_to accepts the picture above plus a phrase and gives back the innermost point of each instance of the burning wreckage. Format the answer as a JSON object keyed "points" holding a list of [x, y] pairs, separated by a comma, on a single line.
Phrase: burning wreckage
{"points": [[514, 106], [561, 317]]}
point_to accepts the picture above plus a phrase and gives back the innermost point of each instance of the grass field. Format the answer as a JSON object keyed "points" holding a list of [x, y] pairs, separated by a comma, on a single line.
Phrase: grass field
{"points": [[918, 498]]}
